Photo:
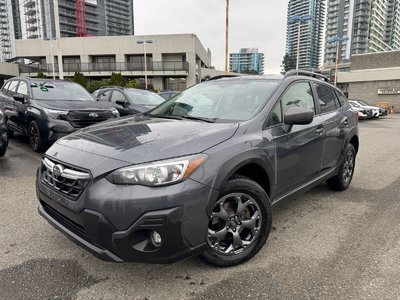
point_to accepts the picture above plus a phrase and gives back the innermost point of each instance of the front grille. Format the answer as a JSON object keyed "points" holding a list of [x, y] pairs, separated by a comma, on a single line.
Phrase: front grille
{"points": [[64, 179], [83, 118], [67, 222]]}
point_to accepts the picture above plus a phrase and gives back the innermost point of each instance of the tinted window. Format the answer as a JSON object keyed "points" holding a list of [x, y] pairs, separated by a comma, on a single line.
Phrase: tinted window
{"points": [[275, 117], [298, 95], [342, 98], [5, 88], [12, 88], [117, 96], [23, 88], [327, 98], [104, 96]]}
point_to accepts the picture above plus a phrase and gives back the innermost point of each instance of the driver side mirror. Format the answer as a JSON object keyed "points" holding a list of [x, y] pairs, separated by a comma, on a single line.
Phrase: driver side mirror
{"points": [[19, 97], [298, 116], [123, 103]]}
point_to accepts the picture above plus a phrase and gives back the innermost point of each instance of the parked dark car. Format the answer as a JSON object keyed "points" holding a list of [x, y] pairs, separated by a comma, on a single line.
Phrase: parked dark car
{"points": [[3, 133], [168, 94], [46, 110], [128, 101], [199, 173]]}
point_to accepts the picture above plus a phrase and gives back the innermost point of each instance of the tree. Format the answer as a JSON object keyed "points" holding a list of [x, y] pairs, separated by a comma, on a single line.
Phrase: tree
{"points": [[41, 75], [131, 84], [97, 84], [117, 79], [80, 78], [288, 63]]}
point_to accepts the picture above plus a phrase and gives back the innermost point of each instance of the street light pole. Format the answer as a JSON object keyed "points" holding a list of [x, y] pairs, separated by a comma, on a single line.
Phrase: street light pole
{"points": [[144, 42], [299, 20], [227, 37], [58, 36]]}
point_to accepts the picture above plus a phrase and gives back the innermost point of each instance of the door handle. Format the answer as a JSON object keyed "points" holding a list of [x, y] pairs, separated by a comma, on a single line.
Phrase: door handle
{"points": [[319, 130]]}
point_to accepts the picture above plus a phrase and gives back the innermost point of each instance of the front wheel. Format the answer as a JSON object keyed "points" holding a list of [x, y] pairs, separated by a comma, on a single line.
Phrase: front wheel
{"points": [[239, 224], [342, 180], [35, 138]]}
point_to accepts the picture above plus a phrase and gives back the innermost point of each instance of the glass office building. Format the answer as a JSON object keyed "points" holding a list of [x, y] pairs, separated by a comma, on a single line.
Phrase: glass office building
{"points": [[247, 61]]}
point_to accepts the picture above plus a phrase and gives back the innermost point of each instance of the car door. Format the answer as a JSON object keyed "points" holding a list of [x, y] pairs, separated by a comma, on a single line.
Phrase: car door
{"points": [[9, 105], [298, 150], [336, 124], [117, 97]]}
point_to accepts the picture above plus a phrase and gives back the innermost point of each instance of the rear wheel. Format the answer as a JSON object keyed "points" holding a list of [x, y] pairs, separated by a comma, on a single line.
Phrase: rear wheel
{"points": [[239, 224], [35, 138], [342, 180]]}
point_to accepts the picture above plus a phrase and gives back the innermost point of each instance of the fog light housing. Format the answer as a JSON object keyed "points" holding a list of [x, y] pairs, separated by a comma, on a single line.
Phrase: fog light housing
{"points": [[156, 238]]}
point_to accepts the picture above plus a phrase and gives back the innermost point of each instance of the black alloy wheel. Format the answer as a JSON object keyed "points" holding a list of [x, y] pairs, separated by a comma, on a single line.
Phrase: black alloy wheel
{"points": [[342, 180], [34, 135], [239, 224]]}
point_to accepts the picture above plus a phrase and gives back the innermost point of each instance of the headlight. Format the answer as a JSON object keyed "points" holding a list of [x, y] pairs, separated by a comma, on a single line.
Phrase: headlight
{"points": [[158, 173], [115, 112], [54, 114]]}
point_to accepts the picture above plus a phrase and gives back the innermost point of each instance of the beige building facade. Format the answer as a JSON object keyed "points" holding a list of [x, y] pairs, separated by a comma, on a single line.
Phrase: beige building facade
{"points": [[173, 62]]}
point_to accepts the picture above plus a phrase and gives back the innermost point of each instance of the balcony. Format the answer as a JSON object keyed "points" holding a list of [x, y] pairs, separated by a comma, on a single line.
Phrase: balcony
{"points": [[156, 66]]}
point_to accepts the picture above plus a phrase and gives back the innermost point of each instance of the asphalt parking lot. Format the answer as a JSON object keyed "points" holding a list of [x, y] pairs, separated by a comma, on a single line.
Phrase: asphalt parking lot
{"points": [[324, 245]]}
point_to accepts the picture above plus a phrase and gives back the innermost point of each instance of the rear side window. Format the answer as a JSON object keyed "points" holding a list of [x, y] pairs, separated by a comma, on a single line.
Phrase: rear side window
{"points": [[327, 98], [342, 98]]}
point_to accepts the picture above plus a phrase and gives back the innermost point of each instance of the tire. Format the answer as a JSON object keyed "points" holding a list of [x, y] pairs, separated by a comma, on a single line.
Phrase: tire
{"points": [[239, 224], [35, 138], [10, 133], [342, 180], [3, 151]]}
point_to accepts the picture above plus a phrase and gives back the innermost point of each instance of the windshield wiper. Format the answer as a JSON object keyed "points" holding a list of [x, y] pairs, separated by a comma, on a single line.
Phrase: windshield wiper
{"points": [[163, 116], [199, 119]]}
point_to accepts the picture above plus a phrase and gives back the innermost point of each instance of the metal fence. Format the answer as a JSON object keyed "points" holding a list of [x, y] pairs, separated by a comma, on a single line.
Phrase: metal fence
{"points": [[106, 67]]}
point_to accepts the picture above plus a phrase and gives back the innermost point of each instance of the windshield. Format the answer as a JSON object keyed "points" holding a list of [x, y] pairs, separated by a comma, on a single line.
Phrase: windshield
{"points": [[230, 100], [355, 104], [143, 97], [363, 102], [59, 91]]}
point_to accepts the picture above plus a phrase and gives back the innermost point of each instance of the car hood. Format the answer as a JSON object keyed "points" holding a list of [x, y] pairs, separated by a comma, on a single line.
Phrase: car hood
{"points": [[74, 105], [139, 139]]}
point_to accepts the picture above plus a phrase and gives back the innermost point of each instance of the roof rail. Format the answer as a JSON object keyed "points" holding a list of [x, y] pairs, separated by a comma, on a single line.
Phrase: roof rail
{"points": [[222, 76], [307, 73], [111, 86]]}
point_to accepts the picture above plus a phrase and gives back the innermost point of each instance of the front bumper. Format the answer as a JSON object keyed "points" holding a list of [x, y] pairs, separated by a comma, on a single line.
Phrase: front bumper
{"points": [[122, 230]]}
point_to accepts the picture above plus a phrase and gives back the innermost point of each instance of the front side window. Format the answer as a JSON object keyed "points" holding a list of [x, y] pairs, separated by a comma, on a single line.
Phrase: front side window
{"points": [[117, 96], [5, 88], [275, 117], [222, 100], [143, 97], [23, 88], [12, 88], [298, 95], [59, 91], [104, 96], [327, 98]]}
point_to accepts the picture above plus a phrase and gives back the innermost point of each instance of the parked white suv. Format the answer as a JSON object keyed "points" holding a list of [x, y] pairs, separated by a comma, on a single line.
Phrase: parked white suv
{"points": [[363, 104]]}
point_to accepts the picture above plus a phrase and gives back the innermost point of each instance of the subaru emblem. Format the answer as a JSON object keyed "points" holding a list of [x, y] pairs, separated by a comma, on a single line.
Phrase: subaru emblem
{"points": [[57, 170], [93, 115]]}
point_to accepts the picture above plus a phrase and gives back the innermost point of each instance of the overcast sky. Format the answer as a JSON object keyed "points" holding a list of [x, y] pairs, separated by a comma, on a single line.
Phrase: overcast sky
{"points": [[253, 23]]}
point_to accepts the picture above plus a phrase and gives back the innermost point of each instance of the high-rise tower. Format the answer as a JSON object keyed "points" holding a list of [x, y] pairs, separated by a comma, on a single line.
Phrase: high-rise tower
{"points": [[311, 32], [370, 25]]}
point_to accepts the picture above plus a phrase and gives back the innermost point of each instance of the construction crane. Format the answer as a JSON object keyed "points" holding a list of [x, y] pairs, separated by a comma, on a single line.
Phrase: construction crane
{"points": [[80, 18]]}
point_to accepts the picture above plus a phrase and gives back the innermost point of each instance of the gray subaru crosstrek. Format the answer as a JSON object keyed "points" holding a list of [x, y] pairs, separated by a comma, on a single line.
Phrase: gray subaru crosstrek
{"points": [[198, 174]]}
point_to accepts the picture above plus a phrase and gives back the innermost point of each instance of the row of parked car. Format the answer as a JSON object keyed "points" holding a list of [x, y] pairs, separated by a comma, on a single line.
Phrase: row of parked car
{"points": [[45, 110], [366, 111]]}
